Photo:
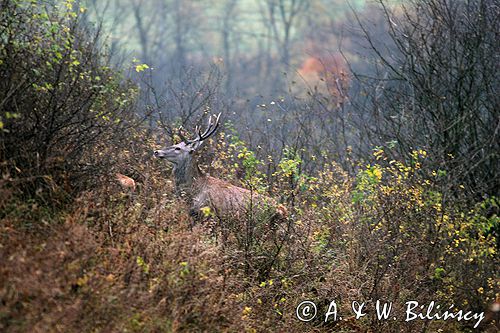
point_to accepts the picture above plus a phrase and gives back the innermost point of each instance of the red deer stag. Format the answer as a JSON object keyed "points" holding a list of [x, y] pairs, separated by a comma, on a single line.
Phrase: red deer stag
{"points": [[223, 198]]}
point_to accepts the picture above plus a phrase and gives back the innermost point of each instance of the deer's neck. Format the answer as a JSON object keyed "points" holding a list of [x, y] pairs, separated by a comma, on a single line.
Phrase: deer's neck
{"points": [[185, 173]]}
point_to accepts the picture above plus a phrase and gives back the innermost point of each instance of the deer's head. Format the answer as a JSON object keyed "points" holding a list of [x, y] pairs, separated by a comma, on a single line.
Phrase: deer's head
{"points": [[181, 152]]}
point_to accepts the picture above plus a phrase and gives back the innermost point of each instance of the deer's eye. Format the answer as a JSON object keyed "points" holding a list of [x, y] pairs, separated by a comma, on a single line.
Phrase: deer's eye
{"points": [[177, 148]]}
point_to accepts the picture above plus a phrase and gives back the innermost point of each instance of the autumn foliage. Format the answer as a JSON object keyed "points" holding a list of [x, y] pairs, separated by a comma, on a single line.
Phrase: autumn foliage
{"points": [[93, 238]]}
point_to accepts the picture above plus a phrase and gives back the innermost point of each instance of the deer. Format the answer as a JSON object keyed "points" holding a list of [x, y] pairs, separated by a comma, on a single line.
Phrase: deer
{"points": [[127, 183], [221, 197]]}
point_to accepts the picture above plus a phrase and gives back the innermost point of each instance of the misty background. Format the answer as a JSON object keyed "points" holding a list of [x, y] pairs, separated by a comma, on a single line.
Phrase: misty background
{"points": [[279, 70]]}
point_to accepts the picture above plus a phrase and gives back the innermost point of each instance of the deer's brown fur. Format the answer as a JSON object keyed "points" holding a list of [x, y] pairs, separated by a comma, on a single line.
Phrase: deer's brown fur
{"points": [[226, 199]]}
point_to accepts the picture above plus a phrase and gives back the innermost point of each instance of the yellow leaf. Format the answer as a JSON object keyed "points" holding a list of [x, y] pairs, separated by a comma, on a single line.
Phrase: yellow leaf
{"points": [[141, 67], [207, 212], [246, 310]]}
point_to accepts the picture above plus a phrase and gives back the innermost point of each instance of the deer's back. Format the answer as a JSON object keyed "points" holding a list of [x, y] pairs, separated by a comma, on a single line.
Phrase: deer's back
{"points": [[227, 199]]}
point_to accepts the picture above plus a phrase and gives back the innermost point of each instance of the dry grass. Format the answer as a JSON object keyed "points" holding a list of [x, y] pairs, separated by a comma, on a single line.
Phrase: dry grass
{"points": [[121, 261]]}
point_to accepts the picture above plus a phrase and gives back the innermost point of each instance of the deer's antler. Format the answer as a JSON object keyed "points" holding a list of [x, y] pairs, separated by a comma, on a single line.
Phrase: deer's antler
{"points": [[212, 127]]}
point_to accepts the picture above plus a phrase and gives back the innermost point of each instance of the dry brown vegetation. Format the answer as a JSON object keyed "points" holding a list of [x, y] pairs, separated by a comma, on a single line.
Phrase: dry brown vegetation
{"points": [[80, 252], [131, 262]]}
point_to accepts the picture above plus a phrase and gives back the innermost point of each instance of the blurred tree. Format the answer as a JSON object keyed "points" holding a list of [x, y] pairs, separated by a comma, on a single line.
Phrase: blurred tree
{"points": [[283, 16], [436, 87]]}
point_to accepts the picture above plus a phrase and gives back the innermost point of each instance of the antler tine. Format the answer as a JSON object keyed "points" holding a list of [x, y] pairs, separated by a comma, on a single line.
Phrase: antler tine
{"points": [[212, 127], [209, 127], [197, 131]]}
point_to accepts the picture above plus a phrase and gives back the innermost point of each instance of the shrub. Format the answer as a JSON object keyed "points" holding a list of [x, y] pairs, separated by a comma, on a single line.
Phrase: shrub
{"points": [[61, 103]]}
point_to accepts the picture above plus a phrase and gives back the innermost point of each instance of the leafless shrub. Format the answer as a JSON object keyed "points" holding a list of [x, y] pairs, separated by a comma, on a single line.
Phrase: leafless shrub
{"points": [[435, 88]]}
